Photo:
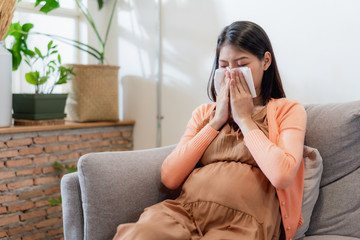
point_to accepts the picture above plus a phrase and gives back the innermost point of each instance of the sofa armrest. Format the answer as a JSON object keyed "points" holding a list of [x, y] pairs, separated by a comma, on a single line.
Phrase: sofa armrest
{"points": [[117, 186], [73, 221]]}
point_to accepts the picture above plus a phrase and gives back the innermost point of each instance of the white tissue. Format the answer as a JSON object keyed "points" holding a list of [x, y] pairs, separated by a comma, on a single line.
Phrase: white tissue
{"points": [[220, 76]]}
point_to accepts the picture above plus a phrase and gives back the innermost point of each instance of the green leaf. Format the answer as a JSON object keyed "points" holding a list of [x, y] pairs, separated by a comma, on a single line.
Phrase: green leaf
{"points": [[53, 52], [13, 27], [71, 169], [64, 75], [50, 44], [16, 58], [58, 165], [37, 51], [55, 202], [27, 27], [32, 77], [59, 59], [63, 69], [62, 80], [43, 80], [66, 70], [48, 6], [28, 52], [15, 31], [27, 62], [100, 4]]}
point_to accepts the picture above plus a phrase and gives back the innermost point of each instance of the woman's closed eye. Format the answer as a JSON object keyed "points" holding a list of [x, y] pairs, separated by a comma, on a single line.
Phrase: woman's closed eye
{"points": [[242, 64], [237, 65]]}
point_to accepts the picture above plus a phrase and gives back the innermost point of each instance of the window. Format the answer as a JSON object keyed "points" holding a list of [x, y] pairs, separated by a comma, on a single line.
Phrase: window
{"points": [[65, 22]]}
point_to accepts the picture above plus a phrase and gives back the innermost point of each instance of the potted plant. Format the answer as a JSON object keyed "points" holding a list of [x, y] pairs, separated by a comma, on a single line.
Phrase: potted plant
{"points": [[93, 93], [46, 73]]}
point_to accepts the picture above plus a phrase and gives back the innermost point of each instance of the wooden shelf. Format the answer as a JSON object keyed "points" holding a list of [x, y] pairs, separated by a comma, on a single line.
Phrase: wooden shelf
{"points": [[67, 125]]}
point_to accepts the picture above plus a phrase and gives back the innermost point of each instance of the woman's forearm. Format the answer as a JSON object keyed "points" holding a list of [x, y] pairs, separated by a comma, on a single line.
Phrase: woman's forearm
{"points": [[279, 164], [179, 164]]}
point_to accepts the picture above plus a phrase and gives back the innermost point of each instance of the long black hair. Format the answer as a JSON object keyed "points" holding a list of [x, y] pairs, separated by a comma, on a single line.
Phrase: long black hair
{"points": [[250, 37]]}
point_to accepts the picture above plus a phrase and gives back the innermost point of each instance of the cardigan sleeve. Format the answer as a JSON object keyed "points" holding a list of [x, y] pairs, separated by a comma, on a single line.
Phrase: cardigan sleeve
{"points": [[182, 160], [280, 159]]}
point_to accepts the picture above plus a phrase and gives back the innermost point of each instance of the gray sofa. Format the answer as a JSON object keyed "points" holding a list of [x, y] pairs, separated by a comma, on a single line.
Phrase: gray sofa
{"points": [[113, 188]]}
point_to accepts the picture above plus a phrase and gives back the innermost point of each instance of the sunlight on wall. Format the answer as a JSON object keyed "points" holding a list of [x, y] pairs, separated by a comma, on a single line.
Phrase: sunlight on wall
{"points": [[135, 41], [135, 30]]}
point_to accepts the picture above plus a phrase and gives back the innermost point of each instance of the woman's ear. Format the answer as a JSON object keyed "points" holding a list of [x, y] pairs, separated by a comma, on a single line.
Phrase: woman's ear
{"points": [[267, 60]]}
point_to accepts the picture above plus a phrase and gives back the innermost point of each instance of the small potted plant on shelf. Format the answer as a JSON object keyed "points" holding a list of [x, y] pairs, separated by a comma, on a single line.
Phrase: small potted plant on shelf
{"points": [[93, 93], [46, 72]]}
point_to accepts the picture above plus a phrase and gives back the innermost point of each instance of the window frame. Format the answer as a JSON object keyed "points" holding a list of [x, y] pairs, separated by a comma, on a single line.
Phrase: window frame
{"points": [[76, 14]]}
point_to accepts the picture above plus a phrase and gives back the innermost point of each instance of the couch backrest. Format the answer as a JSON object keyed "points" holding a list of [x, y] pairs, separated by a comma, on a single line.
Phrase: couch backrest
{"points": [[334, 129]]}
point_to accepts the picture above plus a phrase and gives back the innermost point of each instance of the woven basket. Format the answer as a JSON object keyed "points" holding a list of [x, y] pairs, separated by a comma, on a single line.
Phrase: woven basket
{"points": [[93, 94]]}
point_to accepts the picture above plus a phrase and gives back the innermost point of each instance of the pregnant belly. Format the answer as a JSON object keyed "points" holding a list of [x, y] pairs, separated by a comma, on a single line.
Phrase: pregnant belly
{"points": [[232, 184]]}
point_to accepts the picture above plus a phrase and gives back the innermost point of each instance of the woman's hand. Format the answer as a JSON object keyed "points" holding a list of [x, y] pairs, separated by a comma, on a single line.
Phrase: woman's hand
{"points": [[222, 112], [241, 102]]}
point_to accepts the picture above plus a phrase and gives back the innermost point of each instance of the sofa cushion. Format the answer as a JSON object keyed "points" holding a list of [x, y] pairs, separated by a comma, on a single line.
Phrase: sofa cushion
{"points": [[313, 170], [337, 211], [334, 129]]}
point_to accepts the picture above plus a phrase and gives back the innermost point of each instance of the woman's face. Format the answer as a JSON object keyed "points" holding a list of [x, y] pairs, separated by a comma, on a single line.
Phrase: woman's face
{"points": [[232, 57]]}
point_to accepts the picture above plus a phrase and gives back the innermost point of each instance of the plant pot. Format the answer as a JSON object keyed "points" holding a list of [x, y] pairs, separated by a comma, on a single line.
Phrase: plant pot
{"points": [[93, 93], [39, 106]]}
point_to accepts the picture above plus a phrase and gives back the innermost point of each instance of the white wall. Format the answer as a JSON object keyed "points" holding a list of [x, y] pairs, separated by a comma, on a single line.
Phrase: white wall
{"points": [[316, 44]]}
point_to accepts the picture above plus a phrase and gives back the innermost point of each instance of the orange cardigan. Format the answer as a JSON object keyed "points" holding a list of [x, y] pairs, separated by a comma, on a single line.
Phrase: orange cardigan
{"points": [[280, 156]]}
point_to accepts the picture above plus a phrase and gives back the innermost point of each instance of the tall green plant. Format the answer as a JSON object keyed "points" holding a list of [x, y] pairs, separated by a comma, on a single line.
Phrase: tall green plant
{"points": [[97, 53]]}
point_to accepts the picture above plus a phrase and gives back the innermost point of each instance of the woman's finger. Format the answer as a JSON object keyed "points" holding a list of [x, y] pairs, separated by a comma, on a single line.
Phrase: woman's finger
{"points": [[238, 81], [227, 85], [243, 83], [233, 89], [227, 76], [235, 78]]}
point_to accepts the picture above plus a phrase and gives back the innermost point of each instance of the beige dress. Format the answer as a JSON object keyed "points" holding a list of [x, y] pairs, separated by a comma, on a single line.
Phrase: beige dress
{"points": [[226, 197]]}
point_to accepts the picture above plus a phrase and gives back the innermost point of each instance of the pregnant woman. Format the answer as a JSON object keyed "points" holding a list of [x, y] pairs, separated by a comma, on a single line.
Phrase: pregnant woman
{"points": [[240, 160]]}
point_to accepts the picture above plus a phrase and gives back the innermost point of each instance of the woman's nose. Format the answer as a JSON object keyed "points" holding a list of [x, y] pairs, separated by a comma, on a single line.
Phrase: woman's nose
{"points": [[231, 66]]}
